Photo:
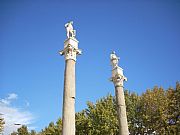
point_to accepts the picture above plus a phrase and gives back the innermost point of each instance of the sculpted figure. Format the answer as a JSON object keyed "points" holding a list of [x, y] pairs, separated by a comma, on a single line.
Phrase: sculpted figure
{"points": [[69, 29], [114, 59]]}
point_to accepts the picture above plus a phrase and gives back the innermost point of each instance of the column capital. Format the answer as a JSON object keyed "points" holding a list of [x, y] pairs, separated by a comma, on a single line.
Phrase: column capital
{"points": [[70, 50], [118, 80]]}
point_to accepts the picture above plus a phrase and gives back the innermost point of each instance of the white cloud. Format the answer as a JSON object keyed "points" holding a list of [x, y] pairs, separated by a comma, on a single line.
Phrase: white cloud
{"points": [[27, 103], [14, 115], [5, 102], [9, 99], [12, 96]]}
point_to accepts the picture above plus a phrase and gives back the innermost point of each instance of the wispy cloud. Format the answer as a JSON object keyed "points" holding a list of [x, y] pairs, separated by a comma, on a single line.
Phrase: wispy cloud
{"points": [[8, 100], [27, 103], [14, 115], [12, 96]]}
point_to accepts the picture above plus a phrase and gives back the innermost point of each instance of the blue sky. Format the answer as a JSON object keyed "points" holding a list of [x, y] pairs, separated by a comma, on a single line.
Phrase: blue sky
{"points": [[145, 34]]}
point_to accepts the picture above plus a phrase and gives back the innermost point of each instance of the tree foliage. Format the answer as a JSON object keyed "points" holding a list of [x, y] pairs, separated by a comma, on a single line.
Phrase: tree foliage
{"points": [[23, 130], [155, 111], [99, 118], [174, 109], [154, 107], [53, 129], [133, 112], [1, 124]]}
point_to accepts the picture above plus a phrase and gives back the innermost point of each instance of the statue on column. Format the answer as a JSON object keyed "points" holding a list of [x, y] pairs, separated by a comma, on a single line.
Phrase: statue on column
{"points": [[70, 31], [117, 72], [114, 60]]}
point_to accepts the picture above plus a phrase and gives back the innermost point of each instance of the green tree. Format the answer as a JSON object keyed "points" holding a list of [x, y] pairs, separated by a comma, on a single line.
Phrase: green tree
{"points": [[23, 130], [174, 109], [133, 112], [58, 127], [53, 129], [154, 110], [83, 124], [33, 132], [1, 124], [50, 130], [98, 119], [176, 115], [14, 133]]}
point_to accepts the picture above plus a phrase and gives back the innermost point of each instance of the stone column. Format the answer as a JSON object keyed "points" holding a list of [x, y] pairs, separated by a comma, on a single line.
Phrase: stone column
{"points": [[70, 51], [118, 78]]}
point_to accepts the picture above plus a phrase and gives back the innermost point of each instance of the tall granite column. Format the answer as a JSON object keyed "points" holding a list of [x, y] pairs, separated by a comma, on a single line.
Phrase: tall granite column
{"points": [[118, 78], [70, 51]]}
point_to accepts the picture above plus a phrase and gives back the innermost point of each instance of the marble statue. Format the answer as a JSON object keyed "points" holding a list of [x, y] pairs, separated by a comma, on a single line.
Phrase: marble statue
{"points": [[69, 29], [114, 60]]}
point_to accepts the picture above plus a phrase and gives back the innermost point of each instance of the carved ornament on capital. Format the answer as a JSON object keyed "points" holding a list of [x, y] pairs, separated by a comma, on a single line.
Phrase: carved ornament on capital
{"points": [[118, 80], [70, 49], [70, 52]]}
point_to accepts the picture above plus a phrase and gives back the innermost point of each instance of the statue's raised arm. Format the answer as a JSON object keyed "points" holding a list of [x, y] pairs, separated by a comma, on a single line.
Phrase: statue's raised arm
{"points": [[69, 29]]}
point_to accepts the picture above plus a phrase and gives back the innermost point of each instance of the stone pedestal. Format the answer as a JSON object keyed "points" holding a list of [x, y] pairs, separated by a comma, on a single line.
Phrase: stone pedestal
{"points": [[70, 51], [118, 78]]}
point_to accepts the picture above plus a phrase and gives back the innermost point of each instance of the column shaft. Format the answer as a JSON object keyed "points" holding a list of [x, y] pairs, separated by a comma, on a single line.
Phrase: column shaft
{"points": [[69, 99], [121, 110]]}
